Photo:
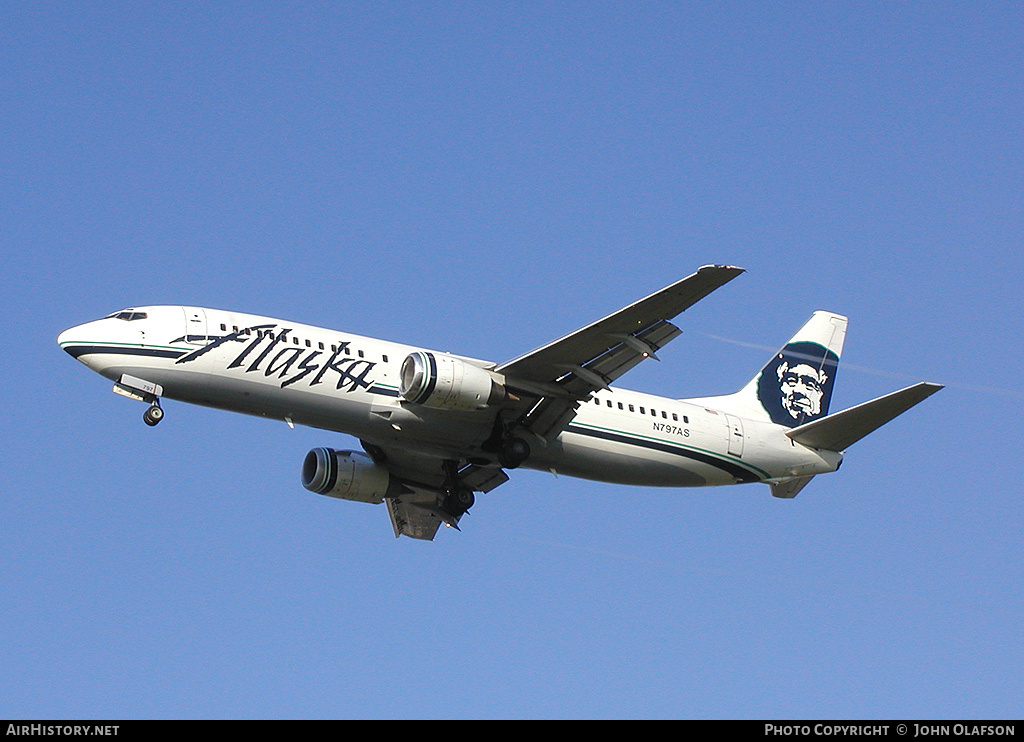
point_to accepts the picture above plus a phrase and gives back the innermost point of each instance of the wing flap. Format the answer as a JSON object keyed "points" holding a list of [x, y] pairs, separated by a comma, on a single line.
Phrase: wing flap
{"points": [[415, 516], [482, 478], [554, 411], [629, 352]]}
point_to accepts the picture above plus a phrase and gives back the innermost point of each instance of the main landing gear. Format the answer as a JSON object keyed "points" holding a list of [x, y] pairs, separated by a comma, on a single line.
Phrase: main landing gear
{"points": [[456, 498], [154, 414], [513, 452], [510, 449]]}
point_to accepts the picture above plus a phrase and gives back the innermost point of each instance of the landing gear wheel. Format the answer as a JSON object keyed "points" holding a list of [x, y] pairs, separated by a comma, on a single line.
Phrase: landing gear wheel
{"points": [[455, 498], [465, 498], [458, 501], [513, 453], [153, 415]]}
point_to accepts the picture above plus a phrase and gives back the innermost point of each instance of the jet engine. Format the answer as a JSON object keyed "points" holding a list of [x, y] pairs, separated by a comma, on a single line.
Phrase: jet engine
{"points": [[447, 383], [347, 475]]}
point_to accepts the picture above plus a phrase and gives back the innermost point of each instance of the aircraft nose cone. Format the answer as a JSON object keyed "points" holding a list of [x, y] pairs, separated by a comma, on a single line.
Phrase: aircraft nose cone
{"points": [[74, 340], [65, 340]]}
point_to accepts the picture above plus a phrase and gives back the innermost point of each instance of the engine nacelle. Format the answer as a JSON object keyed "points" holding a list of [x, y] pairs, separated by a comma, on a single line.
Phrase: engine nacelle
{"points": [[347, 475], [448, 383]]}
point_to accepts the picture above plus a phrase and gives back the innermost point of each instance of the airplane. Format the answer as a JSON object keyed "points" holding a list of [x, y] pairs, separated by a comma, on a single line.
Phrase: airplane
{"points": [[437, 428]]}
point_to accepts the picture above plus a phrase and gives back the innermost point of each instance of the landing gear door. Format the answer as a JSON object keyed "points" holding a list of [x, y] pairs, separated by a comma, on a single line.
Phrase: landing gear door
{"points": [[195, 326]]}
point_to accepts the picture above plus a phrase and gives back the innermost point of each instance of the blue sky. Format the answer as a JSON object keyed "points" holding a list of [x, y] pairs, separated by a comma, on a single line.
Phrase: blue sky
{"points": [[482, 178]]}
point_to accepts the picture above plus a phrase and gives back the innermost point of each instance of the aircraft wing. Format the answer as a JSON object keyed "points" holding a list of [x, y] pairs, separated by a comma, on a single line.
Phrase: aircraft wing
{"points": [[552, 381], [414, 512], [559, 375]]}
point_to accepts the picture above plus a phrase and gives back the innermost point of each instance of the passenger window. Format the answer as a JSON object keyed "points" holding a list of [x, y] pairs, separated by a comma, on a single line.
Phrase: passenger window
{"points": [[385, 359], [642, 411], [675, 417], [609, 403], [620, 405], [663, 415], [631, 408]]}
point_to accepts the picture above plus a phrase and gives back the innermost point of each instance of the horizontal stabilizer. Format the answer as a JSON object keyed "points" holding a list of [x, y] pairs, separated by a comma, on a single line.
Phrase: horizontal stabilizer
{"points": [[787, 489], [840, 430]]}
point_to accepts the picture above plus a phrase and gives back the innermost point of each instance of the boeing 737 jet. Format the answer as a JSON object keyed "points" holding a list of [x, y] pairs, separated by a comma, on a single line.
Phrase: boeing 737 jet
{"points": [[437, 428]]}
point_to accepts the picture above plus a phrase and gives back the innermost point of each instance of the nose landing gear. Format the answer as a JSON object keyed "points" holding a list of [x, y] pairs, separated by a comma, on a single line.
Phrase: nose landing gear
{"points": [[144, 391], [153, 415]]}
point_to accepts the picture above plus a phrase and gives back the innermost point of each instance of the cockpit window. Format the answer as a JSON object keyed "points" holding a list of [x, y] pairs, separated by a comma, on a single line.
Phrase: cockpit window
{"points": [[127, 314]]}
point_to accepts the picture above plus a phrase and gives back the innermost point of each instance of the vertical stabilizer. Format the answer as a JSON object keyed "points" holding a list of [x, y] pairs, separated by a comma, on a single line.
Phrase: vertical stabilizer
{"points": [[795, 386]]}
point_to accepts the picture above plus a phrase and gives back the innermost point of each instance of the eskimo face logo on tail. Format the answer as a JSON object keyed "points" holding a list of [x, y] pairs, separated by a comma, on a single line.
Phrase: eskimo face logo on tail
{"points": [[796, 387]]}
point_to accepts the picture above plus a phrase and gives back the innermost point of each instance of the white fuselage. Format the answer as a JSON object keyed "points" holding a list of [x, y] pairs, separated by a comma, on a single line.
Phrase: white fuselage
{"points": [[346, 383]]}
